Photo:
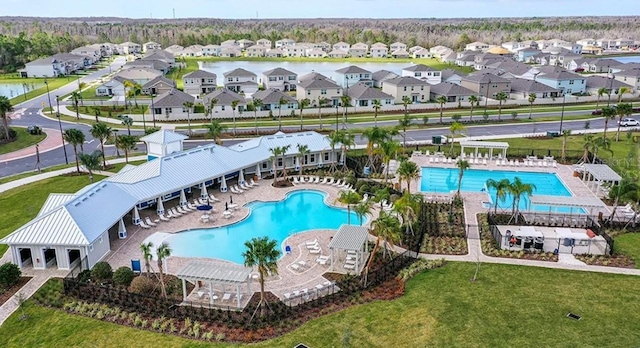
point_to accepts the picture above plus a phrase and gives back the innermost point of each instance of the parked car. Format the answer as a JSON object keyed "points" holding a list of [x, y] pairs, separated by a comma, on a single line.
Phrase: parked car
{"points": [[629, 122], [33, 129]]}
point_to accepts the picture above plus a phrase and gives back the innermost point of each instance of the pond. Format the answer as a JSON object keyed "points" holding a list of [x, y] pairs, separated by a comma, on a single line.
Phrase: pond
{"points": [[325, 68], [12, 90], [628, 59]]}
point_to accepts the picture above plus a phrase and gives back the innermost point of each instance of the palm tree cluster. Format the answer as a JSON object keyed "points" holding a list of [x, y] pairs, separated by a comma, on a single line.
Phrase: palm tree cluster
{"points": [[163, 251], [516, 188]]}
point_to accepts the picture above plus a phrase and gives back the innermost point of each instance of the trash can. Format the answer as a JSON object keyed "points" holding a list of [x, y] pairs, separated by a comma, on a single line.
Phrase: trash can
{"points": [[553, 134], [436, 140]]}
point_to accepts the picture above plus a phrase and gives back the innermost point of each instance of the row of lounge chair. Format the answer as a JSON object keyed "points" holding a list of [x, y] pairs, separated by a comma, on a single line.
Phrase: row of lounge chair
{"points": [[176, 212], [304, 293], [243, 186], [339, 183]]}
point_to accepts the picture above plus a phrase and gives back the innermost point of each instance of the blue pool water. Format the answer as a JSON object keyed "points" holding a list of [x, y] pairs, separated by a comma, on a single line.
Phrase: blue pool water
{"points": [[445, 180], [299, 211]]}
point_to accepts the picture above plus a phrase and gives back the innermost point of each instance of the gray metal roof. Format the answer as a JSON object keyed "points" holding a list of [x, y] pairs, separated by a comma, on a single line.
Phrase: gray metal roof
{"points": [[224, 96], [311, 76], [596, 81], [349, 237], [163, 136], [55, 200], [555, 73], [485, 78], [352, 69], [215, 272], [198, 74], [258, 148], [157, 80], [273, 96], [239, 72], [567, 201], [485, 144], [601, 172], [361, 91], [173, 99]]}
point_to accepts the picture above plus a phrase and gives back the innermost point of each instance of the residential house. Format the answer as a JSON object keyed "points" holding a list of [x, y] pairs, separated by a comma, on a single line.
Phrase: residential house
{"points": [[199, 82], [364, 95], [601, 65], [129, 48], [587, 42], [630, 77], [192, 51], [170, 105], [360, 45], [280, 79], [174, 49], [151, 46], [241, 81], [149, 64], [224, 99], [111, 88], [524, 54], [486, 85], [342, 46], [316, 53], [380, 76], [413, 49], [284, 42], [229, 43], [422, 53], [158, 85], [264, 42], [44, 67], [314, 86], [606, 43], [337, 54], [275, 53], [423, 72], [211, 50], [591, 50], [139, 75], [624, 44], [452, 92], [453, 76], [406, 86], [400, 54], [623, 66], [245, 43], [271, 100], [256, 51], [161, 55], [465, 58], [379, 50], [324, 46], [439, 51], [294, 50], [94, 52], [352, 74], [561, 56], [595, 82], [578, 64], [230, 52], [562, 79], [448, 57], [357, 52], [477, 46], [396, 46], [522, 88]]}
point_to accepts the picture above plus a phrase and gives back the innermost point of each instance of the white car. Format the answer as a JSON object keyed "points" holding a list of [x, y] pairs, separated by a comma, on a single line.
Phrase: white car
{"points": [[629, 122]]}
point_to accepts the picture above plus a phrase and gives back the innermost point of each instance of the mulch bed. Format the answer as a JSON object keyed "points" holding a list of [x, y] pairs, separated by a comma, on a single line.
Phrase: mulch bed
{"points": [[6, 294], [623, 261]]}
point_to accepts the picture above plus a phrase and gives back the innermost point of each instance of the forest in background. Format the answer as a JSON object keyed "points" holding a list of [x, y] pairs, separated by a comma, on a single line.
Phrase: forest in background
{"points": [[23, 39]]}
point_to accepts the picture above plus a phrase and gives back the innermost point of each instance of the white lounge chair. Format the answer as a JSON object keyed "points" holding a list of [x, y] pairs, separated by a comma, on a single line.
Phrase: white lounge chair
{"points": [[226, 297], [365, 197], [322, 259], [213, 198], [316, 180], [311, 243], [253, 183], [350, 266], [143, 225], [175, 212], [245, 187], [171, 215], [294, 266], [238, 189], [324, 181], [163, 218], [317, 250], [182, 211], [149, 222], [330, 182], [338, 183], [296, 181]]}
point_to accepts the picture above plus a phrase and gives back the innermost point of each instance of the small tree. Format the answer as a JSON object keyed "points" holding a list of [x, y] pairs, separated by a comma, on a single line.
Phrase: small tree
{"points": [[532, 98], [76, 138], [188, 107], [10, 273], [262, 253], [349, 198], [472, 103], [501, 97], [281, 102], [234, 105], [142, 285], [123, 276], [441, 100], [302, 104], [91, 162], [126, 143], [257, 104], [215, 130], [376, 107], [101, 271], [162, 252]]}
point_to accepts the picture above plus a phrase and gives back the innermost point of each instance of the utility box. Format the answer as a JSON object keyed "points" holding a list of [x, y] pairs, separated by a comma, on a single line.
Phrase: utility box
{"points": [[553, 134], [438, 139]]}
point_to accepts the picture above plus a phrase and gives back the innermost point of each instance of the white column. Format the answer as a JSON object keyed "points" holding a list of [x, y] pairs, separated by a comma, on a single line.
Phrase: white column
{"points": [[184, 290], [238, 294], [210, 293]]}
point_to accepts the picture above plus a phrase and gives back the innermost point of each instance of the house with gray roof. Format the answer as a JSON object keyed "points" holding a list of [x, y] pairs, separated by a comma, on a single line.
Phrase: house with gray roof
{"points": [[199, 82], [352, 74], [158, 85], [595, 82], [271, 100], [522, 88], [139, 75], [486, 85], [149, 64], [315, 86], [170, 105], [241, 81], [113, 87], [363, 95], [223, 100], [562, 79], [407, 86], [279, 78], [453, 76], [630, 77], [451, 91], [382, 75], [423, 72]]}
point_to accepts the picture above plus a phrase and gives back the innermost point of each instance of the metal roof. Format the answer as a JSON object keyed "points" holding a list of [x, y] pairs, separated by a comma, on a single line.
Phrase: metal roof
{"points": [[406, 81], [419, 67], [349, 237], [239, 72], [163, 137], [485, 144], [526, 231], [601, 172], [318, 82], [54, 228], [273, 96], [278, 72], [55, 200], [567, 201], [214, 272], [450, 89]]}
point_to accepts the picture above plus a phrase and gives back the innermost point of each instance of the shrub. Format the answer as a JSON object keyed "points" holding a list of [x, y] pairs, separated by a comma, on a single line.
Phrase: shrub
{"points": [[84, 276], [142, 285], [456, 117], [9, 275], [101, 271], [123, 276]]}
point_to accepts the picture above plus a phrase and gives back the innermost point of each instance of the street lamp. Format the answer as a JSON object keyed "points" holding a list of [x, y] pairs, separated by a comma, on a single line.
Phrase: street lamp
{"points": [[610, 88], [564, 98], [336, 117], [66, 159], [115, 141], [46, 83]]}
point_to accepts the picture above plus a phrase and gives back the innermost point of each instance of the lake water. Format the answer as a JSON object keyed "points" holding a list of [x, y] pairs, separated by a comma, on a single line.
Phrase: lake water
{"points": [[628, 59], [12, 90], [325, 68]]}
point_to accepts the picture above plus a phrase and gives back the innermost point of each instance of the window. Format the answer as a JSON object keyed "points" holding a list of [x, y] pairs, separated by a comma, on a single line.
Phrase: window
{"points": [[280, 78], [405, 88], [100, 240], [210, 81], [230, 79], [418, 74], [222, 107], [324, 91], [570, 82], [279, 162], [388, 101], [185, 109], [412, 88], [308, 92], [91, 248], [272, 78], [292, 78], [264, 165], [326, 156], [168, 110], [422, 97], [312, 158]]}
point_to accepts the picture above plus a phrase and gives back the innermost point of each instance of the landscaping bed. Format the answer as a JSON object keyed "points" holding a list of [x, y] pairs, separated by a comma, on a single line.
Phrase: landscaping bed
{"points": [[445, 229], [5, 295], [445, 246], [622, 261]]}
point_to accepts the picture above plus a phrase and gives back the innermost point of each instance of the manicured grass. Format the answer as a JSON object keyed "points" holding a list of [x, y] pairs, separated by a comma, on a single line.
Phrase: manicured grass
{"points": [[53, 84], [628, 244], [24, 140], [508, 306], [116, 167], [22, 204]]}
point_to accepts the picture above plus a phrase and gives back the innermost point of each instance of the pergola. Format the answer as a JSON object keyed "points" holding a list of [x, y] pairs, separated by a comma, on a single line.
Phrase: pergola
{"points": [[350, 238], [214, 272], [588, 203], [491, 145], [600, 173]]}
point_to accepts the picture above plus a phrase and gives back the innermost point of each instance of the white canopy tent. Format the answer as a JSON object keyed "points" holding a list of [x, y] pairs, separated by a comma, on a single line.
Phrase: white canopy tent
{"points": [[350, 238], [491, 145], [183, 198], [215, 273], [136, 216]]}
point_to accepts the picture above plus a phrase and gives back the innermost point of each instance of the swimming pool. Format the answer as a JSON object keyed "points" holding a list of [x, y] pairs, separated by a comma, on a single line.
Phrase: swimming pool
{"points": [[445, 180], [299, 211]]}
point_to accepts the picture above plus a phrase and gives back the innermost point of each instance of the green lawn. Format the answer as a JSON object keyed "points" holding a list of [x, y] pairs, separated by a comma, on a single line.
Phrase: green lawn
{"points": [[116, 167], [508, 306], [628, 244], [24, 140], [22, 204]]}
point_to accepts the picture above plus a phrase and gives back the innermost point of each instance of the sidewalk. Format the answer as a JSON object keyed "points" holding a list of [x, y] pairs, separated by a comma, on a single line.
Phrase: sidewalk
{"points": [[51, 142]]}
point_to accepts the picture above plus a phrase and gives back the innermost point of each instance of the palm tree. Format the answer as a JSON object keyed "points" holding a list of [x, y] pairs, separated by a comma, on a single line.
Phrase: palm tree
{"points": [[501, 187], [362, 209], [388, 150], [376, 107], [275, 154], [454, 128], [622, 91], [128, 85], [282, 101], [500, 97], [441, 100], [321, 102], [608, 113], [404, 123], [212, 105], [601, 91], [517, 189], [5, 109], [374, 135], [74, 137], [565, 134], [234, 105], [407, 206], [188, 105], [126, 143], [256, 104], [91, 162], [102, 132], [623, 109], [408, 171], [462, 166], [136, 89], [387, 230], [532, 98], [472, 102], [348, 140], [334, 139], [75, 97], [601, 144], [589, 142], [303, 150], [81, 85], [381, 195], [96, 112], [215, 130], [162, 252], [262, 253], [302, 104], [405, 102], [627, 189], [127, 122], [346, 101], [147, 255], [349, 198]]}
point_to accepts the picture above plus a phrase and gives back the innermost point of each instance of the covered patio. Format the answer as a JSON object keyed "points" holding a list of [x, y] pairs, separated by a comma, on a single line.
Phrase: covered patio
{"points": [[351, 241], [491, 145], [205, 274], [596, 175]]}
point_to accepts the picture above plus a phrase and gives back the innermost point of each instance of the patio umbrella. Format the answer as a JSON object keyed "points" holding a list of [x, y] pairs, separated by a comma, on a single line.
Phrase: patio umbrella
{"points": [[226, 206], [241, 177], [223, 184], [121, 228], [231, 199], [320, 164], [258, 173], [183, 198], [136, 215], [160, 207], [439, 148], [203, 191], [205, 207]]}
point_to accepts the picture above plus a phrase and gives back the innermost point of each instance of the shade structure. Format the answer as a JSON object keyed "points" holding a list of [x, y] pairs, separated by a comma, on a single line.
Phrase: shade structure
{"points": [[203, 191], [183, 198], [136, 216], [241, 177], [205, 207], [223, 184], [160, 207], [258, 173]]}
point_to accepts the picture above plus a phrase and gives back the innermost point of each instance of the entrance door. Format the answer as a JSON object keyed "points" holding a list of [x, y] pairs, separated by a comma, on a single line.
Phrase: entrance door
{"points": [[74, 258], [50, 258], [26, 259]]}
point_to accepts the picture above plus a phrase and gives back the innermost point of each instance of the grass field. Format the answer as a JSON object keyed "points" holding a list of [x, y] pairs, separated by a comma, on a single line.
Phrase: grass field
{"points": [[24, 140], [508, 306], [628, 244], [22, 204], [116, 167]]}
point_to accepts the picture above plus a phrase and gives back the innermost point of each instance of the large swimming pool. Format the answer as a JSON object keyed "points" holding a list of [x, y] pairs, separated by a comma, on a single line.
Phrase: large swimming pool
{"points": [[299, 211], [445, 180]]}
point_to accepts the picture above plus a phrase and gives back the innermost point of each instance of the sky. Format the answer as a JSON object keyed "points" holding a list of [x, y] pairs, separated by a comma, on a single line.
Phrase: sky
{"points": [[242, 9]]}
